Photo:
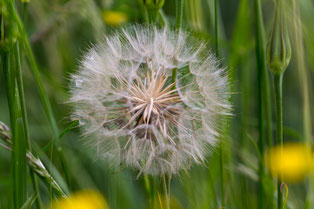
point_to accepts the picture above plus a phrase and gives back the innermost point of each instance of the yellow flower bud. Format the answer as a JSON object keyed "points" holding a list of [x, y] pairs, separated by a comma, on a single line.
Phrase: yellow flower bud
{"points": [[278, 48]]}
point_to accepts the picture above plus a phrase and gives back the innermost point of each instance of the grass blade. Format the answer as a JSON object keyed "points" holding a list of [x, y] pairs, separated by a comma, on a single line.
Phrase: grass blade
{"points": [[19, 152], [43, 96], [19, 79], [35, 164], [29, 202], [264, 104], [64, 132], [18, 156], [305, 89]]}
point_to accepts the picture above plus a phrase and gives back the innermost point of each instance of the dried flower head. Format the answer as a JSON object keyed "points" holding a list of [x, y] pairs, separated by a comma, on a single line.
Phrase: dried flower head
{"points": [[138, 115]]}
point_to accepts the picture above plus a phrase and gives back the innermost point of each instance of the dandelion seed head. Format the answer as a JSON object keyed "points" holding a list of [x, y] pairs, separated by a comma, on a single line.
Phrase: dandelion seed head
{"points": [[126, 102]]}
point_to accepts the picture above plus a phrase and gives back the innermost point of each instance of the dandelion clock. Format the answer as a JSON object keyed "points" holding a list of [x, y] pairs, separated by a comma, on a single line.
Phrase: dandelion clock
{"points": [[150, 99]]}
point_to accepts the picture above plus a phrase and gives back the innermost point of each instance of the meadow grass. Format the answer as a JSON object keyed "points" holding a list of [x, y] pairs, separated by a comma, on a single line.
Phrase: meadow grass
{"points": [[43, 155]]}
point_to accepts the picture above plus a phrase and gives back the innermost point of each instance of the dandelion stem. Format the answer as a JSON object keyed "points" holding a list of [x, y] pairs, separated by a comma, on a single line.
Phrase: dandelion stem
{"points": [[149, 192], [179, 13], [279, 126], [216, 29], [179, 17], [166, 184], [174, 76]]}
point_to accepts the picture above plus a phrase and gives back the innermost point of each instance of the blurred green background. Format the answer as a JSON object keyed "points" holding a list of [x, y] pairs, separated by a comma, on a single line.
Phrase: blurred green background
{"points": [[60, 31]]}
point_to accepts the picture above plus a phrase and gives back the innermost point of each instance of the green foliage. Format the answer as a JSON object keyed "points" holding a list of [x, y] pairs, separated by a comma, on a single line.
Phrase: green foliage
{"points": [[41, 50]]}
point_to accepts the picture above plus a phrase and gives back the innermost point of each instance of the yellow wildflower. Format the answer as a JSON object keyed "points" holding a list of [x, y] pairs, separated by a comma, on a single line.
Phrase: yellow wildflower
{"points": [[86, 199], [294, 161], [114, 18]]}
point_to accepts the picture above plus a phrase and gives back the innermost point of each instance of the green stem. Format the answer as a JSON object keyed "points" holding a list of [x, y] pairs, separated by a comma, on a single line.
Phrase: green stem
{"points": [[299, 47], [167, 179], [267, 106], [174, 75], [35, 164], [179, 16], [43, 95], [264, 102], [44, 98], [143, 11], [261, 66], [2, 27], [222, 182], [25, 9], [179, 13], [153, 15], [149, 192], [165, 190], [18, 155], [162, 18], [216, 29], [6, 61], [35, 71], [19, 79], [307, 123], [222, 173], [279, 126]]}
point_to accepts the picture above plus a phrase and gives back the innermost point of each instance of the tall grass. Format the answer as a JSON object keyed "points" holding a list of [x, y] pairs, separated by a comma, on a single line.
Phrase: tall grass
{"points": [[40, 163]]}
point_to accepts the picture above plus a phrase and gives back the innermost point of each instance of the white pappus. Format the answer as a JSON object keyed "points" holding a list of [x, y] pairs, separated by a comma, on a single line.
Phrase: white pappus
{"points": [[136, 113]]}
